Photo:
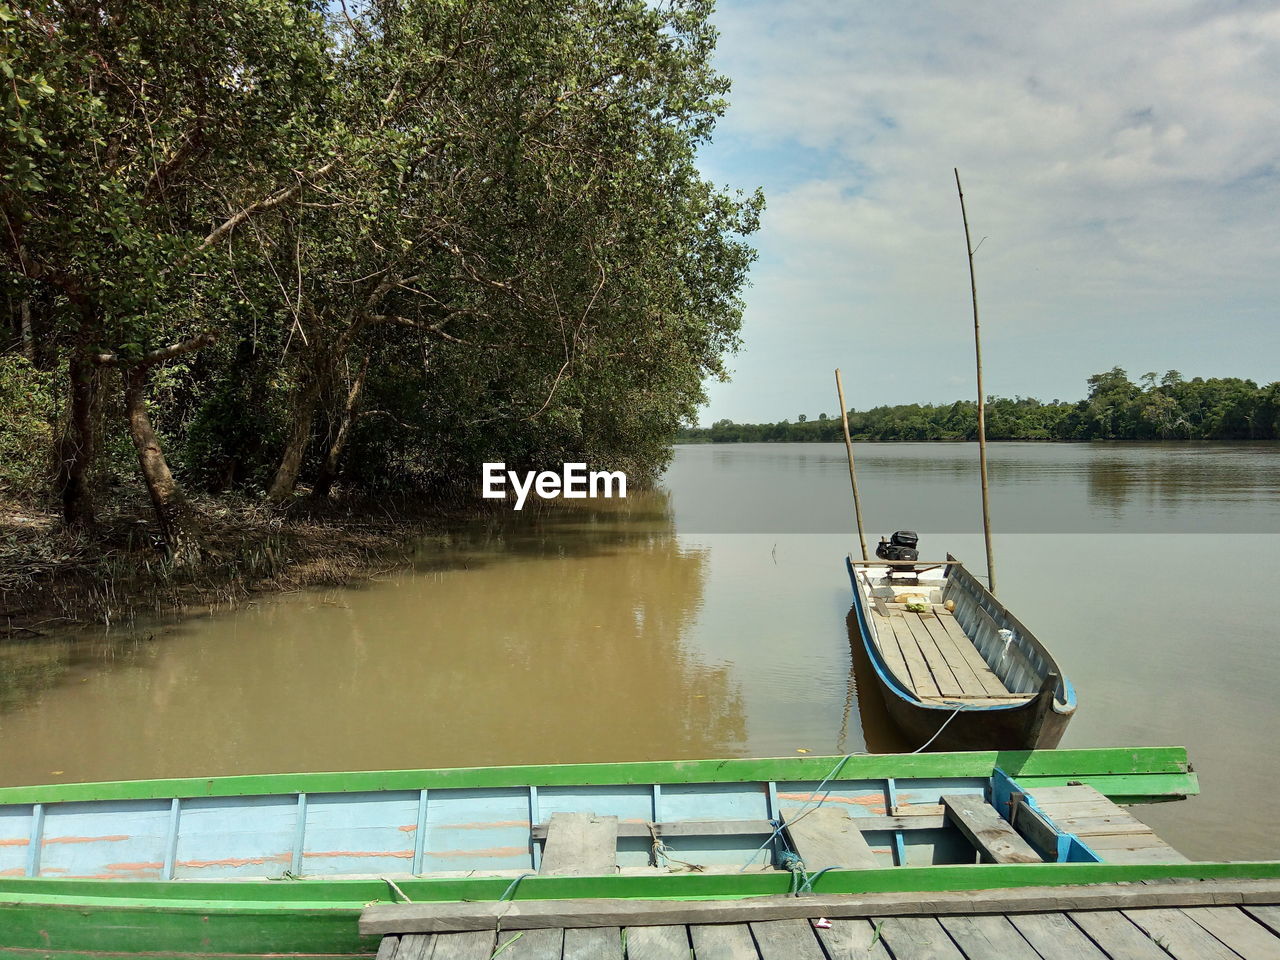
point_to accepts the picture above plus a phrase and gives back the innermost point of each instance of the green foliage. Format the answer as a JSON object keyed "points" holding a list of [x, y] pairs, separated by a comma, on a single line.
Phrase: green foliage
{"points": [[496, 205], [27, 411], [1116, 409]]}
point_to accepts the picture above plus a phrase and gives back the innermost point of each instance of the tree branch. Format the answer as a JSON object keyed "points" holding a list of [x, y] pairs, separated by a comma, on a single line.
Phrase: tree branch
{"points": [[283, 195], [151, 358], [432, 328]]}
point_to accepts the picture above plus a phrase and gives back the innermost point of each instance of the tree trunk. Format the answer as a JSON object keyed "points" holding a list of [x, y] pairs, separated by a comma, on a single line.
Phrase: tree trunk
{"points": [[295, 448], [24, 323], [324, 366], [78, 446], [172, 511], [329, 469]]}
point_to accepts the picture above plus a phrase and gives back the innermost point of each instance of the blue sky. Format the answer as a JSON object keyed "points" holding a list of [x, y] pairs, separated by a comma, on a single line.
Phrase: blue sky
{"points": [[1122, 161]]}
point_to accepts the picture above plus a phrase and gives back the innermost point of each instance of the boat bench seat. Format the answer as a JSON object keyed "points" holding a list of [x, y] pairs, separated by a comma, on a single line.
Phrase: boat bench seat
{"points": [[580, 844]]}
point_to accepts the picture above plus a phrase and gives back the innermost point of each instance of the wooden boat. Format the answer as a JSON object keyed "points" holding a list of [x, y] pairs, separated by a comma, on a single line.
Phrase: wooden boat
{"points": [[255, 865], [956, 669]]}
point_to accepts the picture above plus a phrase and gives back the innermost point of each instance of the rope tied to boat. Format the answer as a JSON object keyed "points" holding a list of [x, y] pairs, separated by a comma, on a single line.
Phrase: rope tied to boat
{"points": [[807, 886], [659, 852], [926, 744], [790, 860], [816, 798], [392, 884]]}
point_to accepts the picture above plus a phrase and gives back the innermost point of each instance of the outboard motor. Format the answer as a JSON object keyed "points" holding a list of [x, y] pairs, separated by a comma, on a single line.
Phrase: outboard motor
{"points": [[901, 546]]}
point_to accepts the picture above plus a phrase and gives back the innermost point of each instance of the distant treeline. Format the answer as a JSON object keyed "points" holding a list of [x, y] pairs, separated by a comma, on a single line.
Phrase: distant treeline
{"points": [[1157, 408]]}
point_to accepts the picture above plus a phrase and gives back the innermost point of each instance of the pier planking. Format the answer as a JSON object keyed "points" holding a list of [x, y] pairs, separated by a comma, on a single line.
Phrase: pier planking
{"points": [[1140, 933]]}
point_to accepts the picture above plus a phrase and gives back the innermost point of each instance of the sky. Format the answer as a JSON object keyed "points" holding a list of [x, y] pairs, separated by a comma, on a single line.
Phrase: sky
{"points": [[1121, 169]]}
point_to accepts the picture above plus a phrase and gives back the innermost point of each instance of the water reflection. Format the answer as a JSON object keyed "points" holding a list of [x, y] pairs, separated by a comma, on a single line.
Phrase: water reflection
{"points": [[556, 638], [1190, 487], [880, 735], [30, 666], [1036, 487]]}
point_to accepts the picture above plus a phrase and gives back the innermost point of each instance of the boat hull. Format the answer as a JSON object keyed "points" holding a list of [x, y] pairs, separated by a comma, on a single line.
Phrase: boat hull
{"points": [[46, 910], [1026, 726]]}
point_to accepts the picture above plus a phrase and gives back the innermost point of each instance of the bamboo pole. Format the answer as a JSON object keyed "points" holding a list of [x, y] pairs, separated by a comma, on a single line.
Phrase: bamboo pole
{"points": [[982, 398], [853, 477]]}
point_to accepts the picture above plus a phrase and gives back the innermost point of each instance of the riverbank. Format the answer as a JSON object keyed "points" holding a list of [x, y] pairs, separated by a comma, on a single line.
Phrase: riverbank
{"points": [[53, 578]]}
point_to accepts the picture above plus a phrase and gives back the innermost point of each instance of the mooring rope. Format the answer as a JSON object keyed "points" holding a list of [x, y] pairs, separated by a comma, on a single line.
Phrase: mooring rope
{"points": [[940, 729], [816, 800]]}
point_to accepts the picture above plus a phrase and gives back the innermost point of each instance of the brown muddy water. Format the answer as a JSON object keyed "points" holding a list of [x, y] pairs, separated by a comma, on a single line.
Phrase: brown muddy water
{"points": [[709, 619]]}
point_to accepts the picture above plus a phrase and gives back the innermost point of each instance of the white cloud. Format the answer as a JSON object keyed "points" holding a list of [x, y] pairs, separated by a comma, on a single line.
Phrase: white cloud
{"points": [[1123, 161]]}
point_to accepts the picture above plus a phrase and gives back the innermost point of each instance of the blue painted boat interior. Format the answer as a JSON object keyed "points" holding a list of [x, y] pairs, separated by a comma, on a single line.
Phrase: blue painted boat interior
{"points": [[447, 831]]}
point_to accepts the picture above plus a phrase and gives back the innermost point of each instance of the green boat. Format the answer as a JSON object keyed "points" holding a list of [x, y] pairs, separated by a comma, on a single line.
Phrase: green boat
{"points": [[256, 865]]}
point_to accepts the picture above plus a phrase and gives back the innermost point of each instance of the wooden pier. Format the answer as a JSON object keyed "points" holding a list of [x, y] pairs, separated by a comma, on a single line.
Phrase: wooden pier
{"points": [[1148, 920], [1127, 930]]}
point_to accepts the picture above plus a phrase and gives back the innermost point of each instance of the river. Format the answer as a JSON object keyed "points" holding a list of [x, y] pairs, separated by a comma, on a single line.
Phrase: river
{"points": [[709, 618]]}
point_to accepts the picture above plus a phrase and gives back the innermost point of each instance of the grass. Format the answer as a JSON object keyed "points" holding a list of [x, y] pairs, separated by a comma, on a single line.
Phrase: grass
{"points": [[53, 578]]}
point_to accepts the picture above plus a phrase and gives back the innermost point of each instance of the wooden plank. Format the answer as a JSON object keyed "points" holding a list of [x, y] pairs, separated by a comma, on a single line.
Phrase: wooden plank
{"points": [[1055, 937], [547, 944], [927, 818], [1129, 841], [1077, 793], [827, 836], [1268, 916], [969, 682], [1075, 802], [1180, 936], [595, 943], [722, 941], [1110, 826], [948, 685], [852, 940], [917, 938], [1066, 812], [387, 948], [601, 912], [413, 946], [887, 643], [1117, 935], [993, 837], [787, 940], [580, 844], [922, 681], [1037, 831], [989, 936], [472, 945], [657, 943], [1239, 931], [681, 828], [981, 669], [1133, 841]]}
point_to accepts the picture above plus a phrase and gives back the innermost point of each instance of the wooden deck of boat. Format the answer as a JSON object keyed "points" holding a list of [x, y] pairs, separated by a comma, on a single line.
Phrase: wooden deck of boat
{"points": [[1251, 932], [1112, 832], [933, 652]]}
